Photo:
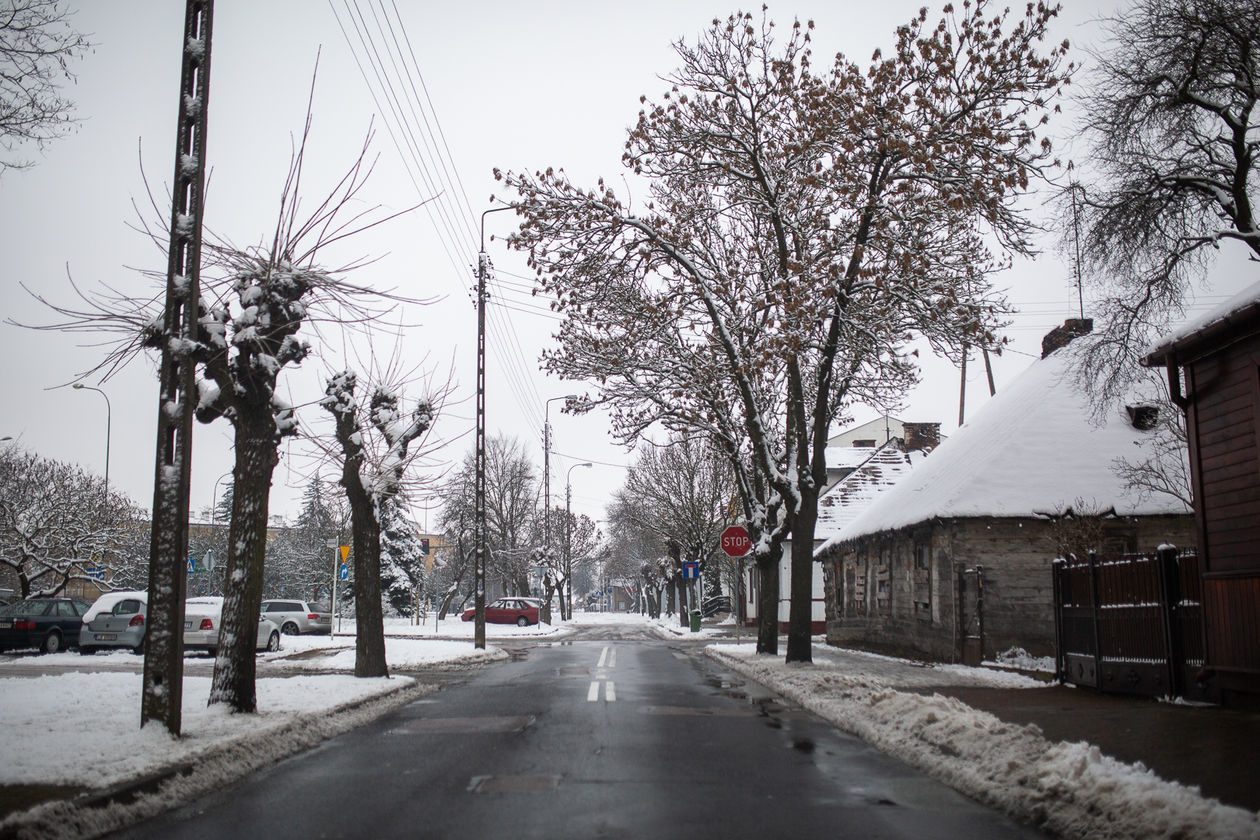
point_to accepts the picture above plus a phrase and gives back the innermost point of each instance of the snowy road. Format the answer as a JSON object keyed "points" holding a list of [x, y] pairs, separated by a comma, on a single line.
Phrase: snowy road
{"points": [[575, 737]]}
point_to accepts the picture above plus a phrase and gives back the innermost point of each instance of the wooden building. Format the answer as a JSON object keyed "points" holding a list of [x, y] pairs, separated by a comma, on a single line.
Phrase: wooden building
{"points": [[1214, 375]]}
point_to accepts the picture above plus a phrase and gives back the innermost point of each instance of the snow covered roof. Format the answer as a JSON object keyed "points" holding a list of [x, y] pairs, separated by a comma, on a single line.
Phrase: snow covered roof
{"points": [[845, 501], [848, 457], [1032, 448], [1244, 306]]}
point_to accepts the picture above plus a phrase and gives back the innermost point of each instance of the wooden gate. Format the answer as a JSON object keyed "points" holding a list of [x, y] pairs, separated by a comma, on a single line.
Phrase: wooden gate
{"points": [[1129, 624]]}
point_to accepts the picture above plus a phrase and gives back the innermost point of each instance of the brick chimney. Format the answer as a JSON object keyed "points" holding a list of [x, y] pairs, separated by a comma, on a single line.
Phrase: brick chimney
{"points": [[1072, 328], [921, 436]]}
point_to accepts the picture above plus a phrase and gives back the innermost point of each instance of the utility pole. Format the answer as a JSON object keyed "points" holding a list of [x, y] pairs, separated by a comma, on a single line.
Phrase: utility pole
{"points": [[162, 693], [479, 556]]}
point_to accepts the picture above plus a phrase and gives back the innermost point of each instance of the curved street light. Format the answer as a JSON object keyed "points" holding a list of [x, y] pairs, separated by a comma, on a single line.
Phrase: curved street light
{"points": [[79, 386]]}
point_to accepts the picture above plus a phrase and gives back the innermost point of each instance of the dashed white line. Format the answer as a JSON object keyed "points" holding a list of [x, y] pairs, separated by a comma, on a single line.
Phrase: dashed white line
{"points": [[593, 694], [610, 693]]}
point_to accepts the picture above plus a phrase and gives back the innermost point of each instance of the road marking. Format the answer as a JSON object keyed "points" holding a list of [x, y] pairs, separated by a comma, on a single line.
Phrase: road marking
{"points": [[604, 658], [612, 659], [610, 693]]}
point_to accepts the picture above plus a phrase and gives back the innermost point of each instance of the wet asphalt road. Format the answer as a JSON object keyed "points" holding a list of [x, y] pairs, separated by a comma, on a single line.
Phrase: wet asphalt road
{"points": [[598, 736]]}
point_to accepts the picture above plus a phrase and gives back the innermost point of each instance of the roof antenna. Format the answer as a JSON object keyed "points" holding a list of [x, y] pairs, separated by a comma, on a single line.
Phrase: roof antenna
{"points": [[1076, 233]]}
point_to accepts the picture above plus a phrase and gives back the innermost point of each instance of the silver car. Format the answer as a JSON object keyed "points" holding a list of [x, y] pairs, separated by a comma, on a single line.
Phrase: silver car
{"points": [[115, 620], [295, 617], [203, 617]]}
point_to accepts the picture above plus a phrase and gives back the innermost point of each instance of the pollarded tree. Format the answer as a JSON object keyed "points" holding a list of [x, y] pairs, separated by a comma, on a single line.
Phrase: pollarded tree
{"points": [[801, 229], [375, 458], [1173, 134]]}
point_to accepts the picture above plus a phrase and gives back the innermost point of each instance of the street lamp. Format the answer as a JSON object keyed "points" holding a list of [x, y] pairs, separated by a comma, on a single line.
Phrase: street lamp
{"points": [[568, 536], [214, 499], [79, 386]]}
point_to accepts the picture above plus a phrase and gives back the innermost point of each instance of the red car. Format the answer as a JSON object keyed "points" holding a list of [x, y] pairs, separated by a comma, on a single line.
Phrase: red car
{"points": [[516, 611]]}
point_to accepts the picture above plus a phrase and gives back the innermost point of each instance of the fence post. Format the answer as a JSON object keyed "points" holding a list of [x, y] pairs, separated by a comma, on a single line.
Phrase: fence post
{"points": [[1093, 609], [1170, 596], [1056, 586]]}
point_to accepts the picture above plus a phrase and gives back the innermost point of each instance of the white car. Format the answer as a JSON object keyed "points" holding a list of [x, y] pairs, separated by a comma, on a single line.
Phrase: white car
{"points": [[203, 616], [115, 620]]}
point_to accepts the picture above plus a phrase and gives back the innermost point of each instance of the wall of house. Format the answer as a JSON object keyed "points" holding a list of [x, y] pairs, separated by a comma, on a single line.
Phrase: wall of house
{"points": [[1224, 393], [913, 593]]}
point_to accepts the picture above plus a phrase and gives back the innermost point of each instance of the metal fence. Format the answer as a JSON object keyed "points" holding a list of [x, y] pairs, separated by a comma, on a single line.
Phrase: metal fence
{"points": [[1130, 624]]}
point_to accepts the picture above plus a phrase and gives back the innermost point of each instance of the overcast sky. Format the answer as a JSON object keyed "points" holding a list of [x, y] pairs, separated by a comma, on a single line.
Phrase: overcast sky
{"points": [[511, 84]]}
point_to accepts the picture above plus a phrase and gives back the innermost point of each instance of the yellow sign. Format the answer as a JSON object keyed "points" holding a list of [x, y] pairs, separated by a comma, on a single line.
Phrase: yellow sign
{"points": [[345, 552]]}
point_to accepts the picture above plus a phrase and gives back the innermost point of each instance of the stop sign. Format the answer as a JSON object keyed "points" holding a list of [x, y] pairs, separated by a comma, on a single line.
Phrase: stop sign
{"points": [[735, 541]]}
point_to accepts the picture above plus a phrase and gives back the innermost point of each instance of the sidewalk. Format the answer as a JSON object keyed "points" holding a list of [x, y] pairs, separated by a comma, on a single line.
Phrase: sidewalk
{"points": [[1070, 761], [1211, 748]]}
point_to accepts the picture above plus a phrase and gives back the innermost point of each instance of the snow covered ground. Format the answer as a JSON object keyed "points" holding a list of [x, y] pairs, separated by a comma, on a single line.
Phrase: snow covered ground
{"points": [[1071, 789]]}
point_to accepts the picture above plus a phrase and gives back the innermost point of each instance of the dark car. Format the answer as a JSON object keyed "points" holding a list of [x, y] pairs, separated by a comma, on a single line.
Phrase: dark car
{"points": [[516, 611], [50, 624]]}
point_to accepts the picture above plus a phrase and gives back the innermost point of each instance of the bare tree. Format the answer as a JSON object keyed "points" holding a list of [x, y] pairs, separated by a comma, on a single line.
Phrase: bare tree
{"points": [[800, 229], [57, 521], [1171, 173], [37, 47]]}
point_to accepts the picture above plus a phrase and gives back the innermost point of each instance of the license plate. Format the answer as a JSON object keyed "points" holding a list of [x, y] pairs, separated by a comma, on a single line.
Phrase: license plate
{"points": [[106, 637], [187, 625], [6, 624]]}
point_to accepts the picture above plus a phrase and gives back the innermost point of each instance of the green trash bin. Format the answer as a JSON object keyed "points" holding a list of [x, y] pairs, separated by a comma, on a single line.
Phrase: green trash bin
{"points": [[695, 621]]}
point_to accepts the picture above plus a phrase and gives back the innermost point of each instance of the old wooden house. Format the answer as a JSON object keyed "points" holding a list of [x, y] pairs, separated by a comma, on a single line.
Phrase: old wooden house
{"points": [[953, 563], [1214, 374]]}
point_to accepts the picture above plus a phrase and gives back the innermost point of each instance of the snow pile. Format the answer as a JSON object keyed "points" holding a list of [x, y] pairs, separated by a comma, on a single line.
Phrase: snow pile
{"points": [[1069, 789], [324, 653], [216, 747]]}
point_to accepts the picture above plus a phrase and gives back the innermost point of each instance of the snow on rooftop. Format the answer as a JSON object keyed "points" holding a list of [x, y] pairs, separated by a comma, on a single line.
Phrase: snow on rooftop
{"points": [[1247, 297], [847, 457], [1034, 447], [854, 493]]}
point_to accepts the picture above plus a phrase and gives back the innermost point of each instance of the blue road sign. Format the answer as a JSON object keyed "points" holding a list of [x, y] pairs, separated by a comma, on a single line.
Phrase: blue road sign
{"points": [[344, 572], [691, 570], [192, 565]]}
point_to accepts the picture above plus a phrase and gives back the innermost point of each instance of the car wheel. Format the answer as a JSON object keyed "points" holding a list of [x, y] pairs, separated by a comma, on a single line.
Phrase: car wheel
{"points": [[213, 652], [87, 651], [139, 649], [52, 642], [522, 622], [273, 642], [289, 629]]}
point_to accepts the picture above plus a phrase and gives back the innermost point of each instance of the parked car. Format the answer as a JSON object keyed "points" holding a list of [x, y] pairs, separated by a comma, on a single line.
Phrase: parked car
{"points": [[296, 617], [203, 617], [50, 624], [115, 620], [518, 611]]}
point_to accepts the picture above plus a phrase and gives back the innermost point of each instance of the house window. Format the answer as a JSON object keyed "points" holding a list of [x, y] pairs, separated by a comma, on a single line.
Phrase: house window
{"points": [[922, 580], [855, 584]]}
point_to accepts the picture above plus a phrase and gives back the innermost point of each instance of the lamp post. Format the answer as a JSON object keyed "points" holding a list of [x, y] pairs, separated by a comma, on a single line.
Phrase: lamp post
{"points": [[79, 386], [214, 499], [568, 536], [479, 557]]}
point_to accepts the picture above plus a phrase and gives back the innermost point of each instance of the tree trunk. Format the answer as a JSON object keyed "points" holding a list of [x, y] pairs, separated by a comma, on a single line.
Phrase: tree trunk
{"points": [[800, 614], [256, 458], [369, 643], [768, 602], [549, 589]]}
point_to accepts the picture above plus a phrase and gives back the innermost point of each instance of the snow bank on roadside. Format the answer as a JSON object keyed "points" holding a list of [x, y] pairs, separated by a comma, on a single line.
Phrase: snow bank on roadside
{"points": [[1069, 789], [102, 710]]}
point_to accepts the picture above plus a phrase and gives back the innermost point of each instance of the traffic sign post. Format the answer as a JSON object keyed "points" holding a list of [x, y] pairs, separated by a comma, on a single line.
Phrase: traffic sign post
{"points": [[735, 542]]}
